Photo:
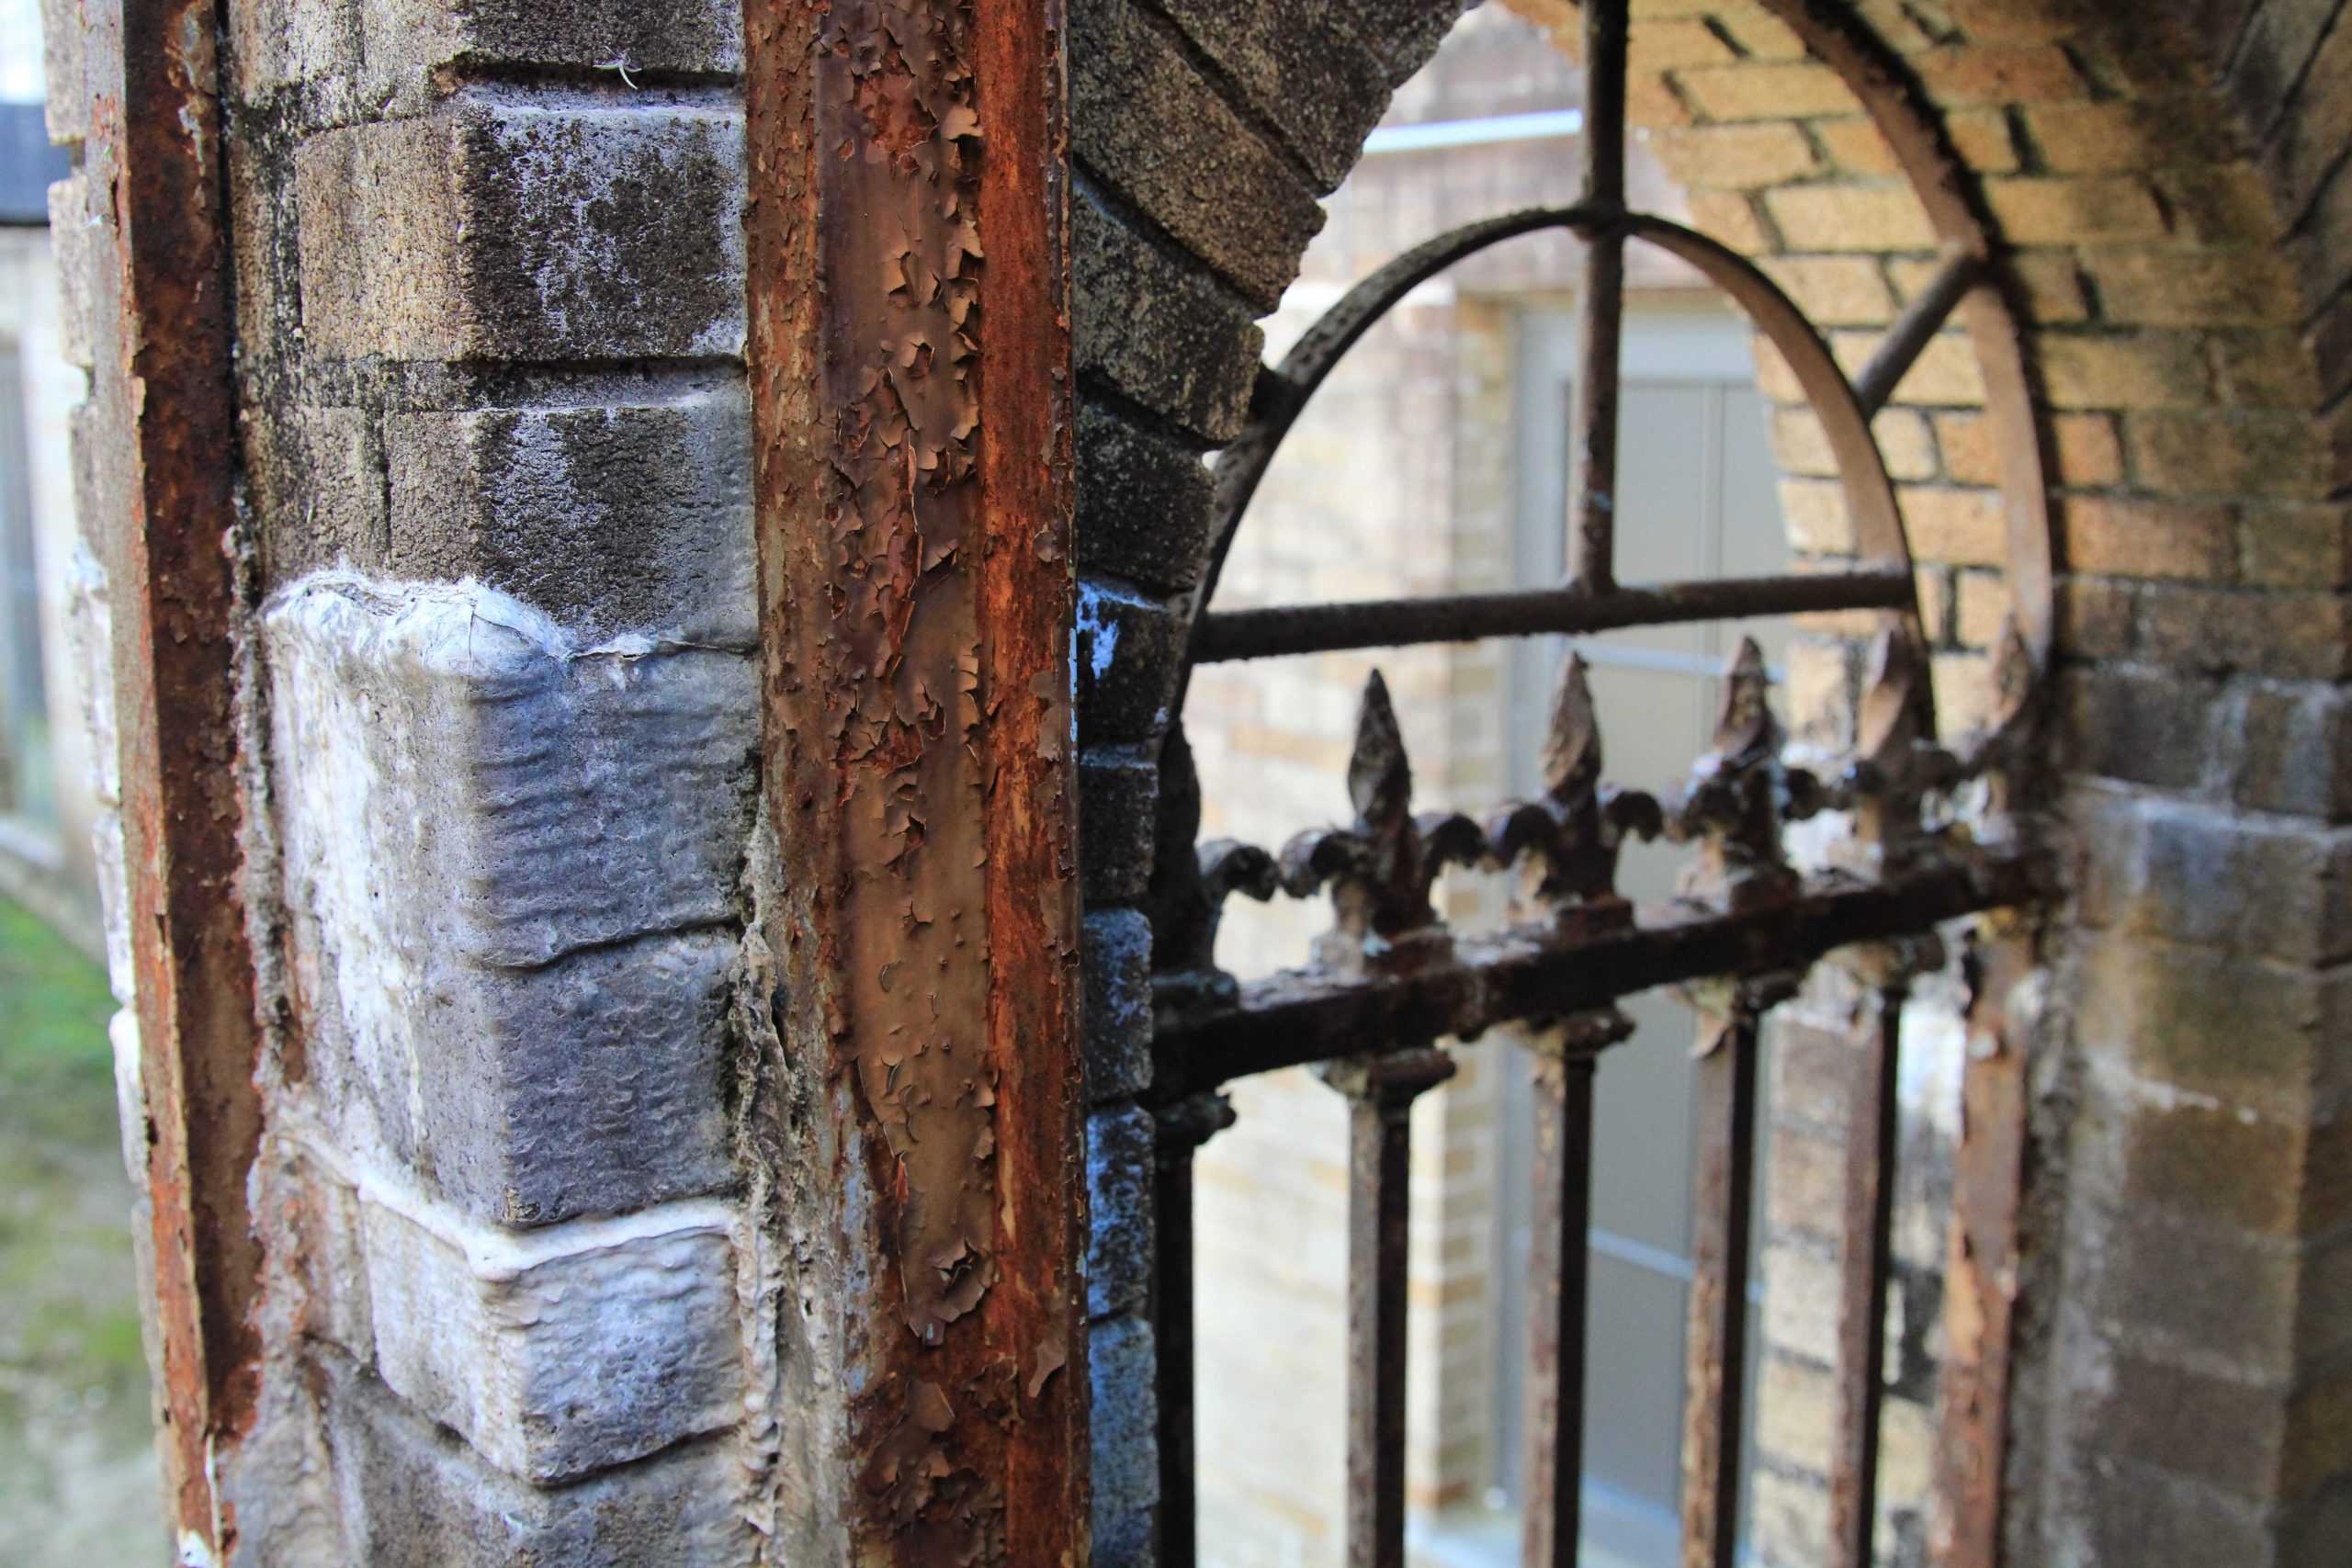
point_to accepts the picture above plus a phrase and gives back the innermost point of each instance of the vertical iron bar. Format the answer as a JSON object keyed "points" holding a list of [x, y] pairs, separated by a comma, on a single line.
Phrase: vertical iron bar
{"points": [[1380, 1102], [1716, 1358], [1557, 1266], [1864, 1266], [1183, 1127], [1591, 563]]}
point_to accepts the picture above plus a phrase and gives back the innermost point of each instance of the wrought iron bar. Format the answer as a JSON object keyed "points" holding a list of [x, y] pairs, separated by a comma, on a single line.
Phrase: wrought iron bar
{"points": [[1313, 1015], [1183, 1127], [1917, 328], [1558, 1269], [1715, 1354], [1865, 1255], [1380, 1093], [1397, 623], [1592, 555]]}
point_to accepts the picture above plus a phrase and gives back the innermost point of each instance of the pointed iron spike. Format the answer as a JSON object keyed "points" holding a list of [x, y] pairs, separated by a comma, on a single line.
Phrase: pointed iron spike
{"points": [[1888, 724], [1747, 722], [1380, 778], [1572, 750]]}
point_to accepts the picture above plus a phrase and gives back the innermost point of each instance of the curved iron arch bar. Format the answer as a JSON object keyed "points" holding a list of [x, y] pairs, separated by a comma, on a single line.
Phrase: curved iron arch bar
{"points": [[1281, 392]]}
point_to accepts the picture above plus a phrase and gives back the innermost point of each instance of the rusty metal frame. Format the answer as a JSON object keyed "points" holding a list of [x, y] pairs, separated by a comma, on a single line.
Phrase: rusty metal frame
{"points": [[908, 352], [164, 510]]}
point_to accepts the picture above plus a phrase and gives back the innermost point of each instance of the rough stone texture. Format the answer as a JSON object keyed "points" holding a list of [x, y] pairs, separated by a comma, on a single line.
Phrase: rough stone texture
{"points": [[1164, 336], [1118, 790], [555, 1354], [1308, 72], [413, 1497], [1126, 1414], [1143, 502], [530, 1010], [1119, 1192], [1128, 647], [1144, 119], [608, 519], [1116, 960], [516, 229], [406, 40]]}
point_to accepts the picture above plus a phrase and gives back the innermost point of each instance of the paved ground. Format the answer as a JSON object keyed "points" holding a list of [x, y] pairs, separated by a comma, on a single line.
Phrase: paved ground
{"points": [[78, 1483]]}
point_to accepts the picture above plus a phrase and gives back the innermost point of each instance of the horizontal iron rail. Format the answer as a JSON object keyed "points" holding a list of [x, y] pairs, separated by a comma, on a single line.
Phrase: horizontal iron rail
{"points": [[1464, 617], [1305, 1016]]}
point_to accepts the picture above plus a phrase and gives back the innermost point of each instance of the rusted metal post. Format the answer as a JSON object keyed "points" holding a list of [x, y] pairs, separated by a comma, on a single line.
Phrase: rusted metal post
{"points": [[162, 404], [1591, 560], [1866, 1251], [909, 357], [1183, 1128], [1557, 1280], [1981, 1275], [1723, 1206], [1380, 1093]]}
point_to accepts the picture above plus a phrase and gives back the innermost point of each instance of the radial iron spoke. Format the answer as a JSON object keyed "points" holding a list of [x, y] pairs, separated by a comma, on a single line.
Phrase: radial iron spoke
{"points": [[1591, 563], [1917, 328]]}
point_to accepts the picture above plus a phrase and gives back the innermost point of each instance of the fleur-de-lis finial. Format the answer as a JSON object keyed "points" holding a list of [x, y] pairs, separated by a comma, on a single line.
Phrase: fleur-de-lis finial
{"points": [[1381, 867], [1380, 777], [1746, 729], [1733, 803], [1891, 721], [1571, 760]]}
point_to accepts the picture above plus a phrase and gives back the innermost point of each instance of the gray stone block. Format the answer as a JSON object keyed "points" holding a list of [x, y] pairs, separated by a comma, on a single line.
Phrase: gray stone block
{"points": [[1306, 70], [1119, 1195], [325, 468], [555, 1352], [1143, 503], [1115, 960], [609, 519], [500, 230], [413, 1497], [1124, 1372], [407, 41], [1130, 650], [510, 870], [1152, 127], [1404, 34], [1163, 334], [1118, 792]]}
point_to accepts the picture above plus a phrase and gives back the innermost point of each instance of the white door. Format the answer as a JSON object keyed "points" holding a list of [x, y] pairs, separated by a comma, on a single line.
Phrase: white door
{"points": [[1698, 497]]}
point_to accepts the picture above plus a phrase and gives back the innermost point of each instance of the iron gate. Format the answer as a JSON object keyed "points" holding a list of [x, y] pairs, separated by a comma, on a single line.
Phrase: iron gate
{"points": [[1933, 838]]}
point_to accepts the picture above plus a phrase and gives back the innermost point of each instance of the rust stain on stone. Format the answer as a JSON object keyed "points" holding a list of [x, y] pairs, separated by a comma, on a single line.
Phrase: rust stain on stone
{"points": [[916, 605]]}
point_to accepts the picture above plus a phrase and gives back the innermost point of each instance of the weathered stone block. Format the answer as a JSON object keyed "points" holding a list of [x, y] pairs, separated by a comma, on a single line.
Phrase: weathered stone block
{"points": [[319, 476], [498, 230], [407, 41], [610, 519], [510, 866], [1167, 337], [2296, 754], [554, 1353], [413, 1497], [1405, 33], [2140, 727], [1119, 1195], [1144, 119], [1302, 69], [1115, 961], [1118, 790], [1130, 648], [1123, 1371], [1143, 503], [77, 266]]}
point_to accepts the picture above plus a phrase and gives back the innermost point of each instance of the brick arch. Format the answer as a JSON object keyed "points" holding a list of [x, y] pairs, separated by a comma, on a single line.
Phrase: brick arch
{"points": [[2175, 229]]}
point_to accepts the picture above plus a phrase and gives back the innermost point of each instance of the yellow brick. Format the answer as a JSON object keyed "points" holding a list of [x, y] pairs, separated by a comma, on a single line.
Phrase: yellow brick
{"points": [[2147, 371], [1850, 218], [2124, 536], [2259, 453], [1958, 527], [1857, 146], [1980, 607], [1767, 91], [1730, 217], [1814, 513], [2010, 21], [1665, 45], [1903, 442], [2089, 452], [1982, 139], [2033, 210], [1998, 73], [2175, 287], [2110, 138], [1946, 374], [1965, 695], [1836, 290], [1736, 157]]}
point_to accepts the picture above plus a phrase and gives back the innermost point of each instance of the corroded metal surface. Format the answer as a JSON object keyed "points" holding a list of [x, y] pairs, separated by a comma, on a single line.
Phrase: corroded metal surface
{"points": [[912, 430], [1600, 312], [165, 402], [1381, 1093]]}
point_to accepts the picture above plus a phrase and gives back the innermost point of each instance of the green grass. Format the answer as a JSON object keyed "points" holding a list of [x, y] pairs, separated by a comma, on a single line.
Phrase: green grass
{"points": [[77, 1472]]}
